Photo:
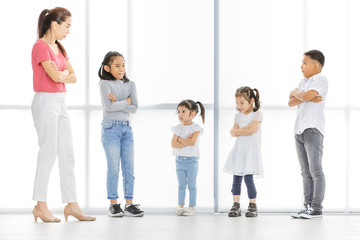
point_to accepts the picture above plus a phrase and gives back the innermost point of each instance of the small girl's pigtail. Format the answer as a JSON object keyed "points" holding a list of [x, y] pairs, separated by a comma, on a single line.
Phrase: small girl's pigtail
{"points": [[202, 113], [257, 100]]}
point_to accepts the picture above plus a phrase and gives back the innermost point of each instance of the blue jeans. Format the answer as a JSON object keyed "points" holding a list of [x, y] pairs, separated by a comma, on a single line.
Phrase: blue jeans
{"points": [[249, 181], [118, 143], [309, 147], [186, 171]]}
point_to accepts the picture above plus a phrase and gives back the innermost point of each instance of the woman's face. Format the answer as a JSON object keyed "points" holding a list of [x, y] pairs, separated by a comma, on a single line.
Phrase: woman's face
{"points": [[63, 29]]}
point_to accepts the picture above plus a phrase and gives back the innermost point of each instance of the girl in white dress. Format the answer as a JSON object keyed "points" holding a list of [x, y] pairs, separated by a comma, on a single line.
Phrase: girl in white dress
{"points": [[244, 160]]}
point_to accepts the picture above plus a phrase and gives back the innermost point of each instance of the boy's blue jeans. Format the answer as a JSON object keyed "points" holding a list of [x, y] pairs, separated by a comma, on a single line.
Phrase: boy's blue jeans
{"points": [[187, 170], [118, 143], [309, 147]]}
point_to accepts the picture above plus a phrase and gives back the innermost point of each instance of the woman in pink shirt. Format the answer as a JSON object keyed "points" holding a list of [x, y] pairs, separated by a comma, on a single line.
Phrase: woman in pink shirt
{"points": [[52, 69]]}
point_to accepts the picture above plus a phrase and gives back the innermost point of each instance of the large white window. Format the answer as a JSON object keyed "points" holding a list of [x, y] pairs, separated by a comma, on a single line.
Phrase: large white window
{"points": [[168, 47], [261, 46]]}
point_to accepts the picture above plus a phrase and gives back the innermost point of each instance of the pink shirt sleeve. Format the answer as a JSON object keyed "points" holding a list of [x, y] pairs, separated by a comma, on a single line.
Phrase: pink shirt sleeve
{"points": [[41, 53]]}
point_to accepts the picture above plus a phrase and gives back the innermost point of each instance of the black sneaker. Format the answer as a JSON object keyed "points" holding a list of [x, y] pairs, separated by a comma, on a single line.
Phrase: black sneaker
{"points": [[304, 210], [115, 211], [133, 211], [252, 210], [235, 210], [311, 213]]}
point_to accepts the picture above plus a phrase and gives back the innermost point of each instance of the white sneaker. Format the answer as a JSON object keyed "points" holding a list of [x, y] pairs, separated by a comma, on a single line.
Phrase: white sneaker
{"points": [[189, 212], [180, 211]]}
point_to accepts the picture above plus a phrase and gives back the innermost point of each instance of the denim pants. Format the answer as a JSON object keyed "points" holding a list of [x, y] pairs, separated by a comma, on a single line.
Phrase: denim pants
{"points": [[186, 171], [249, 181], [53, 127], [118, 143], [309, 147]]}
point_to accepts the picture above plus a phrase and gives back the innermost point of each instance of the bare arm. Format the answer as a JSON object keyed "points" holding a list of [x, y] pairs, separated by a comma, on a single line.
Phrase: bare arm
{"points": [[304, 96], [175, 143], [297, 97], [293, 101], [71, 78], [66, 76], [245, 131], [191, 140]]}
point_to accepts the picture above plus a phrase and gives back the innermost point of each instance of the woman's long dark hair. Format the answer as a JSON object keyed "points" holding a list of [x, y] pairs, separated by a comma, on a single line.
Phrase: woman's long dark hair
{"points": [[108, 59], [46, 17], [249, 94], [192, 107]]}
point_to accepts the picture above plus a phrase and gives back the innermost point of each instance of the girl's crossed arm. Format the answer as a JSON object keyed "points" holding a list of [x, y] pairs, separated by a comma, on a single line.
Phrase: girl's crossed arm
{"points": [[178, 142], [132, 100], [245, 131], [175, 143], [111, 104]]}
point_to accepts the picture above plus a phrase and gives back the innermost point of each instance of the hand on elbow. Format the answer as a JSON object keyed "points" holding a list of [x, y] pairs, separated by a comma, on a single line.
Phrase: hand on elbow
{"points": [[233, 132]]}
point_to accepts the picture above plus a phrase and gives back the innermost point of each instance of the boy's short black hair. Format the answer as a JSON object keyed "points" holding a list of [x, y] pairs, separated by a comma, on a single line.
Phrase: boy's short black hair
{"points": [[316, 55]]}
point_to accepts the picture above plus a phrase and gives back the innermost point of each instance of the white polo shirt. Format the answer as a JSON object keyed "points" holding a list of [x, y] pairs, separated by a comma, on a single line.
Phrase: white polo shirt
{"points": [[309, 114]]}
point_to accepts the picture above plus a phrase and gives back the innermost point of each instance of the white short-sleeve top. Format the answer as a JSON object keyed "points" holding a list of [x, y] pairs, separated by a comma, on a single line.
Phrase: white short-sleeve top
{"points": [[184, 131]]}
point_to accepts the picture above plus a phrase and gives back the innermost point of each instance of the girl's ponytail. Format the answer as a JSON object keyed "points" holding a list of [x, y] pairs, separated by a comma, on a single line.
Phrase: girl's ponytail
{"points": [[257, 100], [202, 113]]}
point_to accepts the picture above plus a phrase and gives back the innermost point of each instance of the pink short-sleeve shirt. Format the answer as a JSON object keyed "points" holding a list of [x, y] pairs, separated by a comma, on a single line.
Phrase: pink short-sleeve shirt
{"points": [[42, 82]]}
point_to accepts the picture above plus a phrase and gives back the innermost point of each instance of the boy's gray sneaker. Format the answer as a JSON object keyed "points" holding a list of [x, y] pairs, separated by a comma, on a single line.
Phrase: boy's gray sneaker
{"points": [[304, 210], [235, 210], [311, 213]]}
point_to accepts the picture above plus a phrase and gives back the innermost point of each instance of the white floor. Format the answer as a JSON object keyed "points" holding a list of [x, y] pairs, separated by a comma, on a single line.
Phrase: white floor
{"points": [[203, 226]]}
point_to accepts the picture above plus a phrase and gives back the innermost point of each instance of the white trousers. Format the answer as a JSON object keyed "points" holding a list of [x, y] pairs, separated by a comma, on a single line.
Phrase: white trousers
{"points": [[53, 126]]}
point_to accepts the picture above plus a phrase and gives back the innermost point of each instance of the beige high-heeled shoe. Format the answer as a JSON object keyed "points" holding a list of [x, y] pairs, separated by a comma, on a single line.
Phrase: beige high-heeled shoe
{"points": [[68, 211], [38, 214]]}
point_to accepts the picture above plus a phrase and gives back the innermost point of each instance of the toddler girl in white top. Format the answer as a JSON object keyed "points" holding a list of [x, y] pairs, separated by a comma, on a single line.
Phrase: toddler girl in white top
{"points": [[185, 143], [245, 158]]}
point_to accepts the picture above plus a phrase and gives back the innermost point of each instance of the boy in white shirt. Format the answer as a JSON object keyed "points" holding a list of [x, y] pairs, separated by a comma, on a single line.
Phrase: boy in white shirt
{"points": [[310, 97]]}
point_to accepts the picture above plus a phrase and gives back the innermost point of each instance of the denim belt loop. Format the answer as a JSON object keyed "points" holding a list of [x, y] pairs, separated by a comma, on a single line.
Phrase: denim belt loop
{"points": [[123, 123]]}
